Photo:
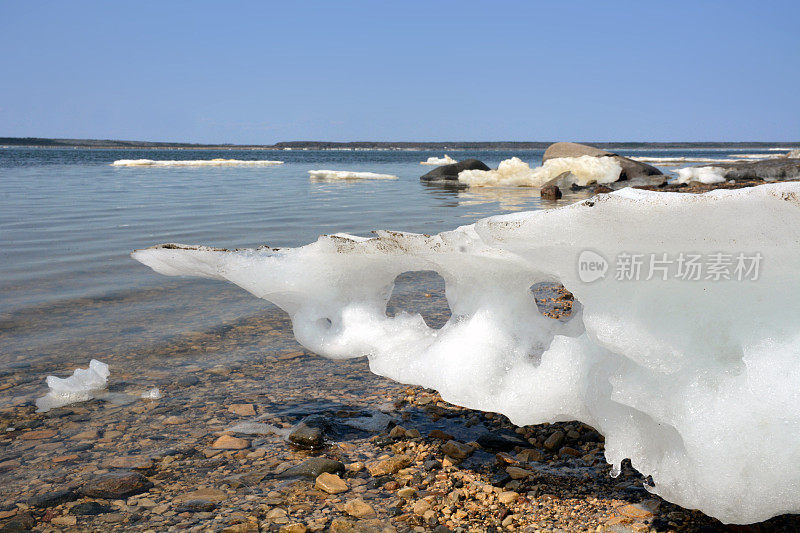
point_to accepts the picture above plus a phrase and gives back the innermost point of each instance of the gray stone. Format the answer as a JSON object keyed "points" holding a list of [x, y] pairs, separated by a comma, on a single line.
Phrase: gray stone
{"points": [[116, 485], [776, 169], [51, 499], [313, 467], [450, 172]]}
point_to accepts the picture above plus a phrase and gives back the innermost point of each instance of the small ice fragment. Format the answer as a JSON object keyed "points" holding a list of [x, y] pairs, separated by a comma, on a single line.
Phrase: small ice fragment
{"points": [[79, 387], [437, 161], [334, 175], [701, 174], [152, 394]]}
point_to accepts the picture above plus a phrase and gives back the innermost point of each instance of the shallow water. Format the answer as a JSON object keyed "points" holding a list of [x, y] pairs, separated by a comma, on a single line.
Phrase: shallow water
{"points": [[68, 220]]}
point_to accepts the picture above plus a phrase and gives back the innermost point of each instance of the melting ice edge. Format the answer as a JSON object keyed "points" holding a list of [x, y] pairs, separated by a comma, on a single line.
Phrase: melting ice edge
{"points": [[696, 382]]}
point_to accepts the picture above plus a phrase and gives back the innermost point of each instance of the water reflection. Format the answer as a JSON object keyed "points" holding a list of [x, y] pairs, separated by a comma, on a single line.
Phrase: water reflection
{"points": [[504, 198]]}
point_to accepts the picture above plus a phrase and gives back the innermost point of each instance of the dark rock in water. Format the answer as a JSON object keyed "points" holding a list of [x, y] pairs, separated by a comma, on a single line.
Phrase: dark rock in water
{"points": [[51, 499], [196, 506], [187, 381], [602, 189], [630, 169], [21, 522], [116, 485], [309, 433], [776, 169], [90, 509], [313, 467], [450, 172], [550, 192], [501, 441]]}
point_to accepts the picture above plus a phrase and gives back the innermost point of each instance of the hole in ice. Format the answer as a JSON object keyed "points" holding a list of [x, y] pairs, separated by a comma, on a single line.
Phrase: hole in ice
{"points": [[420, 292], [553, 300], [324, 323]]}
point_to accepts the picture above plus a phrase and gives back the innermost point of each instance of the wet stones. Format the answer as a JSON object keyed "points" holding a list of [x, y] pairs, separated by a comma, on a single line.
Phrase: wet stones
{"points": [[358, 508], [387, 466], [306, 437], [550, 192], [90, 509], [242, 409], [130, 462], [51, 499], [501, 441], [457, 450], [229, 442], [116, 485], [330, 483], [313, 467]]}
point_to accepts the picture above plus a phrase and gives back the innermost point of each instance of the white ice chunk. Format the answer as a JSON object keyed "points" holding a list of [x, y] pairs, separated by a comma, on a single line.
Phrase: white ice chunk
{"points": [[437, 161], [701, 174], [152, 394], [336, 175], [194, 163], [79, 387], [515, 172], [694, 380]]}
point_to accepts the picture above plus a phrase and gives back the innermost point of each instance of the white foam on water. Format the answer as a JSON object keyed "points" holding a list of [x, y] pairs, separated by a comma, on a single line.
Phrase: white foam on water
{"points": [[194, 163], [701, 174], [446, 160], [337, 175], [81, 386], [515, 172], [697, 382]]}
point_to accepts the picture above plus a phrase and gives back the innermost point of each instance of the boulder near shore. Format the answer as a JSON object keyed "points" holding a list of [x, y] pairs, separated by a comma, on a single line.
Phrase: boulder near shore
{"points": [[450, 172], [631, 170]]}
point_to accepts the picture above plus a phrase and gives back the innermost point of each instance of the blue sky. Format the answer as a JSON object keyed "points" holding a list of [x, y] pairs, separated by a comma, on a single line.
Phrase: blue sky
{"points": [[260, 72]]}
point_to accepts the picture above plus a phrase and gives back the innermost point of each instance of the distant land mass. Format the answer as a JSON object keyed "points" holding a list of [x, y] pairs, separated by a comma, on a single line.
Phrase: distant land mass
{"points": [[33, 142]]}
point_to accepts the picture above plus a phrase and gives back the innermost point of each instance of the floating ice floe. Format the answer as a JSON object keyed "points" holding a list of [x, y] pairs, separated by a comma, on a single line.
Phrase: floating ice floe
{"points": [[701, 174], [194, 163], [695, 380], [436, 161], [335, 175], [585, 169], [678, 160], [81, 386]]}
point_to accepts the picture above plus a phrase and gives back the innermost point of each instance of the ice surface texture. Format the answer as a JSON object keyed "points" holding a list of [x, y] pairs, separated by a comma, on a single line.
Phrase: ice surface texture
{"points": [[336, 175], [515, 172], [696, 382], [437, 161], [79, 387]]}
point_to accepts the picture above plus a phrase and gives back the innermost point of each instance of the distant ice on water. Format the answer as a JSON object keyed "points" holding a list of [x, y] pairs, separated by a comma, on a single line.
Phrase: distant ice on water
{"points": [[194, 163]]}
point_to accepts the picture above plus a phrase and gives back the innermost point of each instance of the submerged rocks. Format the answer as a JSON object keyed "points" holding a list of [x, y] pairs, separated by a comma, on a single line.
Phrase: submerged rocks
{"points": [[631, 170], [313, 467], [330, 483], [450, 172], [116, 485]]}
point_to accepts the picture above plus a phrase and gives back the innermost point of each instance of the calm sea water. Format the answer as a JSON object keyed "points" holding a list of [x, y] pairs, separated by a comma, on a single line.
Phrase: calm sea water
{"points": [[68, 220]]}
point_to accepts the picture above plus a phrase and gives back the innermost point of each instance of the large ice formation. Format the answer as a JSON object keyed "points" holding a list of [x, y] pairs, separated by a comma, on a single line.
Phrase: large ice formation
{"points": [[696, 381], [79, 387], [336, 175], [515, 172], [195, 163], [437, 161]]}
